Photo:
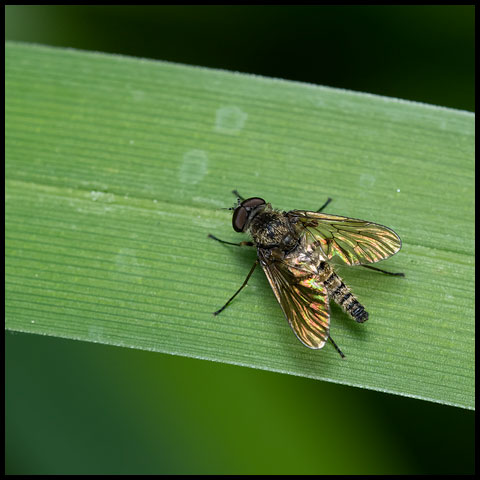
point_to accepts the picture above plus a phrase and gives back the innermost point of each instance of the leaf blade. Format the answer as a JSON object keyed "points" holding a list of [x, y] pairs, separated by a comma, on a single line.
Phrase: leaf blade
{"points": [[115, 172]]}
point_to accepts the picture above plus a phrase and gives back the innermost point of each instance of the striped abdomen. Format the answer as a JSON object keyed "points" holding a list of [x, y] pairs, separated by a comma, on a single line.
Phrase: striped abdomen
{"points": [[341, 294]]}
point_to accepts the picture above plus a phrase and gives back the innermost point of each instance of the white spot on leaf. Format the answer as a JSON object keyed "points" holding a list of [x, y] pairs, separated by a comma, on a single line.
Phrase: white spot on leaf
{"points": [[230, 120], [193, 167]]}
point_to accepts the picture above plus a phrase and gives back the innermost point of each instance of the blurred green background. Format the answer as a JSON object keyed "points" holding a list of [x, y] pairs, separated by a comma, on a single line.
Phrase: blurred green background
{"points": [[74, 407]]}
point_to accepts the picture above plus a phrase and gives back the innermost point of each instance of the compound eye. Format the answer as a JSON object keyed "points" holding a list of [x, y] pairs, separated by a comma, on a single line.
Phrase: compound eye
{"points": [[239, 218], [253, 202]]}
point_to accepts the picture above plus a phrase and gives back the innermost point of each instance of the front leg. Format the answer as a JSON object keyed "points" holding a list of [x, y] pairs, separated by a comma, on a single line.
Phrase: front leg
{"points": [[240, 244]]}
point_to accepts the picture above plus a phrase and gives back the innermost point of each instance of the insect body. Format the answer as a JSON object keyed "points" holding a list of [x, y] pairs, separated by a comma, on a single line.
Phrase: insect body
{"points": [[295, 250]]}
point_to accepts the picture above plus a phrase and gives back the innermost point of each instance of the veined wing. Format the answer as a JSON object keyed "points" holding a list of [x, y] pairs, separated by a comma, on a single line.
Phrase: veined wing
{"points": [[304, 301], [356, 242]]}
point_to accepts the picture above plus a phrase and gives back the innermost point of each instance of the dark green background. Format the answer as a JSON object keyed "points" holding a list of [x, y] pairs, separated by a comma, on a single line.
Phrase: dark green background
{"points": [[73, 407]]}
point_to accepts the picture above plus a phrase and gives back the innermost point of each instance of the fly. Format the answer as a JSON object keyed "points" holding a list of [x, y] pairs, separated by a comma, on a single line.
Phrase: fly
{"points": [[295, 250]]}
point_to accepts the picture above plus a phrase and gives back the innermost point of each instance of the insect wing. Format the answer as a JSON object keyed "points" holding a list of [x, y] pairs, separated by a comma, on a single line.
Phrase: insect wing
{"points": [[304, 301], [356, 242]]}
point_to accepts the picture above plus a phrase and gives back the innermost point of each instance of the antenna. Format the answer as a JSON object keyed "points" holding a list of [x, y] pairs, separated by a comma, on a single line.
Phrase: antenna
{"points": [[235, 192]]}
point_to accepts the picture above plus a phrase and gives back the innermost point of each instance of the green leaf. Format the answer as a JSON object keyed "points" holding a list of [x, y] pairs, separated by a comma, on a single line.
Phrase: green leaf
{"points": [[117, 169]]}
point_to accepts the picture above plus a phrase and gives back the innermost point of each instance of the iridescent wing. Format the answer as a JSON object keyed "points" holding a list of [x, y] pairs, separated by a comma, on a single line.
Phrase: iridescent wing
{"points": [[356, 242], [304, 301]]}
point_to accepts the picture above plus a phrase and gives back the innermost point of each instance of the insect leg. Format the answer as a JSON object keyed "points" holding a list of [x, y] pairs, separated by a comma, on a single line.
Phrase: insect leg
{"points": [[238, 195], [238, 291], [336, 347], [324, 205], [248, 244], [396, 274]]}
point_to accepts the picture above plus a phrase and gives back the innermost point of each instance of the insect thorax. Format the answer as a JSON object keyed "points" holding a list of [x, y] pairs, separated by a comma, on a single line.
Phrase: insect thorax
{"points": [[270, 228]]}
